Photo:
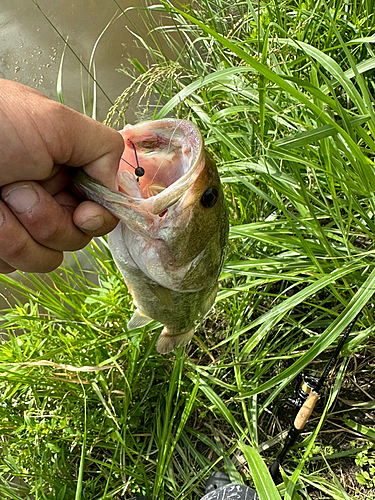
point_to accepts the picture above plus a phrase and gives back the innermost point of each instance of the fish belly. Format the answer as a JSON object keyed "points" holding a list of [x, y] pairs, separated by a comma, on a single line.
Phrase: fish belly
{"points": [[177, 311]]}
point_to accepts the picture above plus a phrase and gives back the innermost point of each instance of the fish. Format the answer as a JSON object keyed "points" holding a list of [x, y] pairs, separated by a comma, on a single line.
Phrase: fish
{"points": [[170, 242]]}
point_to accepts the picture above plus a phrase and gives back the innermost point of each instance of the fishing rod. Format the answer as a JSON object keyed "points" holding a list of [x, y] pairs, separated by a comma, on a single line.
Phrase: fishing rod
{"points": [[306, 397], [219, 485]]}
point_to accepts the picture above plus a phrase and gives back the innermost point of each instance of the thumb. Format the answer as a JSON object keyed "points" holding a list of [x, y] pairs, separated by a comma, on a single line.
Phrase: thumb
{"points": [[93, 146], [37, 133]]}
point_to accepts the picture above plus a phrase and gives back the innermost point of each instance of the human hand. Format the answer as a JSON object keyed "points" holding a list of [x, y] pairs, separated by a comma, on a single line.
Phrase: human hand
{"points": [[40, 215]]}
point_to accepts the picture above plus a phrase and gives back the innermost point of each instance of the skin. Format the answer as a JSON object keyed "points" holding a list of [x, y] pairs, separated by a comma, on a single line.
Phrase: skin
{"points": [[169, 247], [41, 215]]}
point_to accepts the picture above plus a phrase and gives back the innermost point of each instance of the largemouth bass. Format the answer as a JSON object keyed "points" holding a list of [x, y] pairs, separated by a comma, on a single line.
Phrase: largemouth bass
{"points": [[169, 244]]}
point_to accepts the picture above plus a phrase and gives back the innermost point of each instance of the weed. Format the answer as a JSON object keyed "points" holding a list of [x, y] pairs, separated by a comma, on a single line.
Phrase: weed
{"points": [[283, 94]]}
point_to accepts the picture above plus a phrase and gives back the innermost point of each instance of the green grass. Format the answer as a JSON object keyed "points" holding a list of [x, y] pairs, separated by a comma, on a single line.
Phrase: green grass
{"points": [[283, 93]]}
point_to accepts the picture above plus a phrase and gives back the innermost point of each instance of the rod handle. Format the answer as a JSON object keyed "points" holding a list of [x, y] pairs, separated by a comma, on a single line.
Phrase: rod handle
{"points": [[305, 411]]}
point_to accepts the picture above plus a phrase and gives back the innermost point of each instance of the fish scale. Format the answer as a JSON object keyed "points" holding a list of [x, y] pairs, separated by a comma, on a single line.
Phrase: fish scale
{"points": [[169, 244]]}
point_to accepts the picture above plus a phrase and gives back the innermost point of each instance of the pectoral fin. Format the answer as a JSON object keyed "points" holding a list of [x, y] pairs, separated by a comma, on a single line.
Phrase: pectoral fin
{"points": [[169, 341], [138, 320]]}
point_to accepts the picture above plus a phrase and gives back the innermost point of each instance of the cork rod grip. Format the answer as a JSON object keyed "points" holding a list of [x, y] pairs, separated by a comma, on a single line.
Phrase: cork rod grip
{"points": [[305, 411]]}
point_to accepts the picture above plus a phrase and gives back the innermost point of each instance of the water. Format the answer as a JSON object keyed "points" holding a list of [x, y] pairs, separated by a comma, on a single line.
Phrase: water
{"points": [[31, 51]]}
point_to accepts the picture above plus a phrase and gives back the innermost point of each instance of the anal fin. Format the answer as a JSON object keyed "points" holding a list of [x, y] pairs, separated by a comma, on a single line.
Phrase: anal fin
{"points": [[138, 320]]}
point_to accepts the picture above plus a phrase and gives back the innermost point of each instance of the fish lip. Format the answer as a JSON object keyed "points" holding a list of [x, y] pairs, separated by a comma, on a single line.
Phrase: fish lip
{"points": [[169, 196]]}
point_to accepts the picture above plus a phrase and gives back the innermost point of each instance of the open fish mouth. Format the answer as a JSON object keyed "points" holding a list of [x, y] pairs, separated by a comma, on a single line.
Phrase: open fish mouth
{"points": [[160, 162]]}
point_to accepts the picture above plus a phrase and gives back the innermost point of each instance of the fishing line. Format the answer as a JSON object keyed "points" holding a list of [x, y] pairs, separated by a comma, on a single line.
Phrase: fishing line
{"points": [[138, 171], [127, 162]]}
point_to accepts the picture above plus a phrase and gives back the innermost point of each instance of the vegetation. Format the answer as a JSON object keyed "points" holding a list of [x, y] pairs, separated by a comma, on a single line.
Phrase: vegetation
{"points": [[283, 93]]}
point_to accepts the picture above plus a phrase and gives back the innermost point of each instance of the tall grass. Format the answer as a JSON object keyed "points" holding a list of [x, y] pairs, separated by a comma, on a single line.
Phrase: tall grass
{"points": [[283, 93]]}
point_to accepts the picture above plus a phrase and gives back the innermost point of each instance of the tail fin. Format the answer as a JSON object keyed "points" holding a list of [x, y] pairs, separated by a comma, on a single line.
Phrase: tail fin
{"points": [[169, 341]]}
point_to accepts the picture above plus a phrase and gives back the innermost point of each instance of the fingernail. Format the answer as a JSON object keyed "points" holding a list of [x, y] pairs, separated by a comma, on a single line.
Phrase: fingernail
{"points": [[93, 223], [21, 198]]}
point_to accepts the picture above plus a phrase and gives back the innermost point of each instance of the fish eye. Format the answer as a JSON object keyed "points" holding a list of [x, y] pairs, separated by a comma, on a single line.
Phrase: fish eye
{"points": [[210, 197]]}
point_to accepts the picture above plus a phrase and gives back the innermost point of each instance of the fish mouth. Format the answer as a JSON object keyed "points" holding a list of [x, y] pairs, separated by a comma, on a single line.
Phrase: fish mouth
{"points": [[159, 163]]}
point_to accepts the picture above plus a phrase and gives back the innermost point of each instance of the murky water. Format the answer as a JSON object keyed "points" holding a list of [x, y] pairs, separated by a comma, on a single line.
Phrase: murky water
{"points": [[31, 50]]}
